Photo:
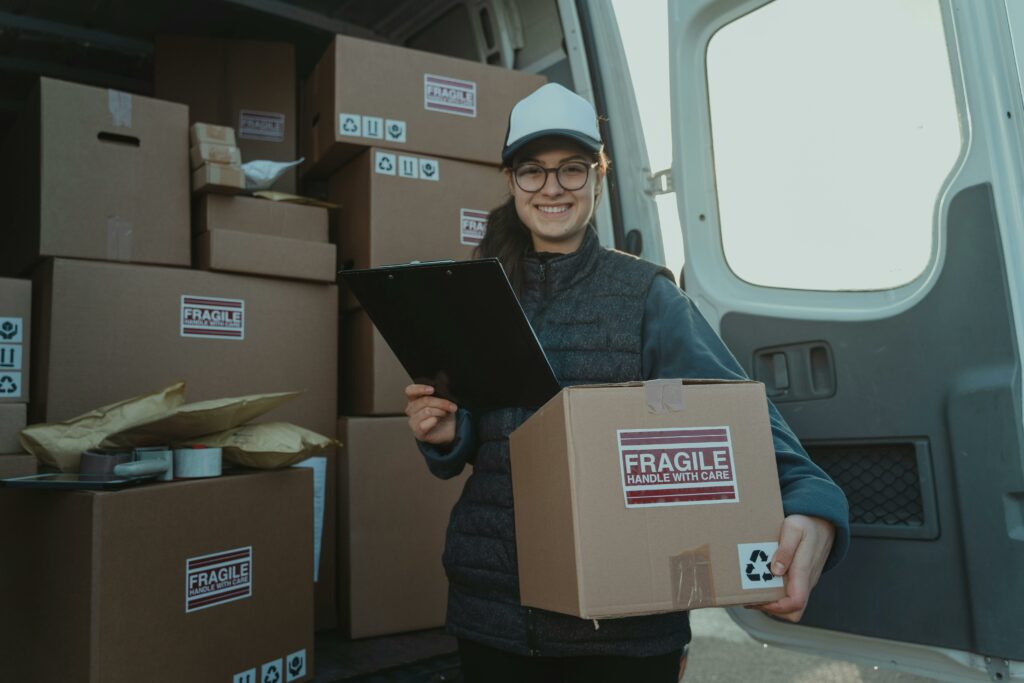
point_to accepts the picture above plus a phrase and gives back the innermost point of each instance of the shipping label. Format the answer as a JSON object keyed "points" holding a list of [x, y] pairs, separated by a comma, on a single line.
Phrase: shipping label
{"points": [[755, 571], [10, 357], [218, 578], [385, 163], [472, 226], [449, 95], [373, 127], [10, 384], [677, 466], [261, 125], [12, 331], [212, 318]]}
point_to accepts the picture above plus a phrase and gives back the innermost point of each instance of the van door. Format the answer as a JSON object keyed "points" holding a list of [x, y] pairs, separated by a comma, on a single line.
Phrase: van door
{"points": [[849, 180]]}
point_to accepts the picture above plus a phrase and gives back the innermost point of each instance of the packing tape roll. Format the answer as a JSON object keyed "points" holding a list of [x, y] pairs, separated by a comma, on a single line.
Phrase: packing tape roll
{"points": [[102, 462], [161, 454], [196, 462]]}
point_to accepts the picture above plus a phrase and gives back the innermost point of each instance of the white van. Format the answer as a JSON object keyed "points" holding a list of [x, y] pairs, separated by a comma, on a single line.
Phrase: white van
{"points": [[848, 176]]}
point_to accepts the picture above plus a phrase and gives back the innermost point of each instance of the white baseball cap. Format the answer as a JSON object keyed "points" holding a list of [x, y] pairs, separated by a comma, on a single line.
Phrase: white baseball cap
{"points": [[551, 110]]}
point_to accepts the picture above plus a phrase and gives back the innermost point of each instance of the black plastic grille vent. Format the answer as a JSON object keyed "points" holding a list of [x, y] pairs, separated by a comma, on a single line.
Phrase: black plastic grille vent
{"points": [[881, 481]]}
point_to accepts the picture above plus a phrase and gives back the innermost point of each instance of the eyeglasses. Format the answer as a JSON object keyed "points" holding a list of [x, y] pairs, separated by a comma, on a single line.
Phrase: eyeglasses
{"points": [[571, 176]]}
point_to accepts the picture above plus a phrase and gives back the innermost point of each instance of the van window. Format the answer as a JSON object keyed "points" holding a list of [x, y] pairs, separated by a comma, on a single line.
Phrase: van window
{"points": [[834, 126]]}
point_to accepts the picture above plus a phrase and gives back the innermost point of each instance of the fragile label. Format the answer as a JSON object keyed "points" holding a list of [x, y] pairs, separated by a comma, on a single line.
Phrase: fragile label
{"points": [[449, 95], [260, 125], [755, 570], [212, 318], [218, 578], [472, 226], [677, 466]]}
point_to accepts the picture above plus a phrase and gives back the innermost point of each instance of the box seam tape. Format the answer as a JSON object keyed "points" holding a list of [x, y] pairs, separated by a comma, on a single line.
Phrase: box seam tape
{"points": [[693, 583], [664, 395]]}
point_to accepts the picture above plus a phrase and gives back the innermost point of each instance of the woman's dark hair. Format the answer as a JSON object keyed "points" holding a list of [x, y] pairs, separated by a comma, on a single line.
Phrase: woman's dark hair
{"points": [[508, 240]]}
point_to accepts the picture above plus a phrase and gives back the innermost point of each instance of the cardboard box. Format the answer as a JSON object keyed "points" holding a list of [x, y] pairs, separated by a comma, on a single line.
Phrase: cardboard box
{"points": [[365, 93], [372, 381], [95, 174], [219, 178], [112, 586], [389, 569], [245, 84], [386, 217], [106, 332], [208, 132], [15, 340], [18, 465], [13, 418], [261, 217], [249, 253], [647, 497], [214, 153]]}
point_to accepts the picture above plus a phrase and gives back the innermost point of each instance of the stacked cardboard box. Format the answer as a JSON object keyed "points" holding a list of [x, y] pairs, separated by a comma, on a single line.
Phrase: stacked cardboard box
{"points": [[204, 580], [15, 321], [215, 160], [247, 85], [409, 145], [262, 237]]}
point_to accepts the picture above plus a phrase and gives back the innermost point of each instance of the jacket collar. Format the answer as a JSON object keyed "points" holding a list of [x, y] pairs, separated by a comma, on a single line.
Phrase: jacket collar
{"points": [[547, 274]]}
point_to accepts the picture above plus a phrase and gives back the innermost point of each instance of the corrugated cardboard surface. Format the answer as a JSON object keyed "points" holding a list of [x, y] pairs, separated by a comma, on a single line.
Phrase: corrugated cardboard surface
{"points": [[12, 420], [215, 153], [221, 79], [15, 338], [627, 559], [220, 178], [17, 465], [92, 173], [392, 519], [366, 78], [96, 591], [387, 219], [372, 381], [249, 253], [262, 217], [106, 332]]}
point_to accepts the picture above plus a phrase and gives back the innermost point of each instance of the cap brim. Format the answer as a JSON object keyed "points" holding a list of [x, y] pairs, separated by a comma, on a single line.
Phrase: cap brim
{"points": [[584, 141]]}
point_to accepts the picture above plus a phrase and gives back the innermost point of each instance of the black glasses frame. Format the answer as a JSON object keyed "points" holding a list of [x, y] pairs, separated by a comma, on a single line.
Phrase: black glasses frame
{"points": [[558, 175]]}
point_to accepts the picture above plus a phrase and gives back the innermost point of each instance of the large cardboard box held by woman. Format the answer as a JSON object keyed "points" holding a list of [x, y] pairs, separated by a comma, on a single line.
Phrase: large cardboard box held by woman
{"points": [[199, 581], [647, 497]]}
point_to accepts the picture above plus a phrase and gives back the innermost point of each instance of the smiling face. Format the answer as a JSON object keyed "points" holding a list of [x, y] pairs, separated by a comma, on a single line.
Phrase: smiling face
{"points": [[556, 218]]}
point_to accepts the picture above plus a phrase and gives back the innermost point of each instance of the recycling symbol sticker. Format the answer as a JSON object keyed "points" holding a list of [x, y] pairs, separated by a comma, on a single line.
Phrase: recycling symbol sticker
{"points": [[386, 163], [295, 666], [10, 384], [755, 571], [349, 124], [271, 672]]}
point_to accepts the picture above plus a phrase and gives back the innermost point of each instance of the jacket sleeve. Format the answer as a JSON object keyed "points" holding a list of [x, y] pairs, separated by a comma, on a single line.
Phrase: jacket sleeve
{"points": [[449, 462], [679, 343]]}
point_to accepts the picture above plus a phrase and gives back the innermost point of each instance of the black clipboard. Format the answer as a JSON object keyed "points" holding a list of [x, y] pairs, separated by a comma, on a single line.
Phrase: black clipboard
{"points": [[458, 326]]}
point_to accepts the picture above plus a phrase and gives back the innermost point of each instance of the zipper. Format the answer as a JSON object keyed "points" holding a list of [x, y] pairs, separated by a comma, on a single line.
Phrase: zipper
{"points": [[531, 636], [544, 279]]}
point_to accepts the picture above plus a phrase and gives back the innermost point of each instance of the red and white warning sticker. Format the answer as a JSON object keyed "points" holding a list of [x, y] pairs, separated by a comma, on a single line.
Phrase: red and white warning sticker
{"points": [[472, 226], [218, 578], [449, 95], [212, 318], [261, 125], [678, 466]]}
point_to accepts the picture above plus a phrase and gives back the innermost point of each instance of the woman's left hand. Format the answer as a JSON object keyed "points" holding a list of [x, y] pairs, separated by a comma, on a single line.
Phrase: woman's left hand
{"points": [[803, 548]]}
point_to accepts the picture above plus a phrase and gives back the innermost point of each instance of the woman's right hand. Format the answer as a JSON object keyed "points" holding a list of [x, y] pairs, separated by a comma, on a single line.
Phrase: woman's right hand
{"points": [[431, 419]]}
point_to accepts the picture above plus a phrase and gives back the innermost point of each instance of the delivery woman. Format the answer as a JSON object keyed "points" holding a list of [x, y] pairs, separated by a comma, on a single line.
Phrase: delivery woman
{"points": [[601, 316]]}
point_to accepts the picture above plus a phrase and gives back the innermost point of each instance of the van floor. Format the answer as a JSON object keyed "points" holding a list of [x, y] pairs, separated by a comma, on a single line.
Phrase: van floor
{"points": [[419, 657]]}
